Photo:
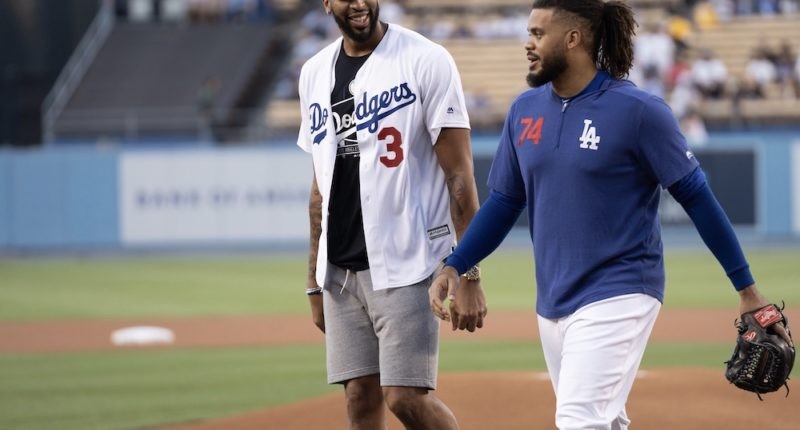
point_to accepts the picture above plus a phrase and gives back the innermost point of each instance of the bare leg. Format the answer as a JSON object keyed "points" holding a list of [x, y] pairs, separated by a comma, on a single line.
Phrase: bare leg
{"points": [[419, 409], [365, 403]]}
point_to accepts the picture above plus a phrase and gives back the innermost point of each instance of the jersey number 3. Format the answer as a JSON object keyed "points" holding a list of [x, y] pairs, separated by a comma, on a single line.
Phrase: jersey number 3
{"points": [[394, 145]]}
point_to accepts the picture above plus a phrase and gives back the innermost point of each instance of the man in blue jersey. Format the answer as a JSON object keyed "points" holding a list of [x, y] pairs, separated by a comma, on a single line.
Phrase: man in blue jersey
{"points": [[588, 152]]}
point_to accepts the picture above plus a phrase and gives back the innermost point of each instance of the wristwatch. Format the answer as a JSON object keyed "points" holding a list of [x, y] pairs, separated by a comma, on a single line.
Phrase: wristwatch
{"points": [[314, 291], [473, 274]]}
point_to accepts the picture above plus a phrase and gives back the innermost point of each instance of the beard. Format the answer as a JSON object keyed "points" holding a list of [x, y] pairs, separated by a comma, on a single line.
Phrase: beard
{"points": [[548, 70], [359, 36]]}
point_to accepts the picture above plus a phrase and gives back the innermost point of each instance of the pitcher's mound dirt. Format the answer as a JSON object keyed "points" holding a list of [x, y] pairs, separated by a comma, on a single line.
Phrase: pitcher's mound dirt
{"points": [[95, 335], [668, 399]]}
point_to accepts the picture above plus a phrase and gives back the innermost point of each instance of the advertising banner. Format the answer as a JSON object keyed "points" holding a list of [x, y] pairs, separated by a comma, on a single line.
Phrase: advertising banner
{"points": [[178, 197]]}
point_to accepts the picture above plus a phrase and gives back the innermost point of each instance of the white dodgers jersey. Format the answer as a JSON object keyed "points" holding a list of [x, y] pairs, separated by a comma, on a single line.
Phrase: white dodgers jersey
{"points": [[404, 94]]}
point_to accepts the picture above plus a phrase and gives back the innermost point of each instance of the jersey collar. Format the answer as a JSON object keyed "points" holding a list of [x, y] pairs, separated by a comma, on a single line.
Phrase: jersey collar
{"points": [[595, 84]]}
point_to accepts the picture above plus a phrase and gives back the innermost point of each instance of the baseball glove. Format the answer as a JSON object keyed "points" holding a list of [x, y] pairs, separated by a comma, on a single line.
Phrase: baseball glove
{"points": [[762, 359]]}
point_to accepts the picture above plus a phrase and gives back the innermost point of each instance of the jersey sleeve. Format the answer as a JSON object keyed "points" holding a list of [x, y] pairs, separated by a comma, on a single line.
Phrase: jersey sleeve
{"points": [[662, 148], [303, 137], [441, 92], [504, 175]]}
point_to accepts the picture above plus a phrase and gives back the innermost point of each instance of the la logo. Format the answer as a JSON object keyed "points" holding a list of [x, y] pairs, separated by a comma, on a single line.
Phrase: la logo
{"points": [[589, 139]]}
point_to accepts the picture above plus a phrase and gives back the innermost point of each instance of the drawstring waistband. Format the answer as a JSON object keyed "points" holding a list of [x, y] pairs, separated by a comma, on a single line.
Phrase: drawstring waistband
{"points": [[346, 278]]}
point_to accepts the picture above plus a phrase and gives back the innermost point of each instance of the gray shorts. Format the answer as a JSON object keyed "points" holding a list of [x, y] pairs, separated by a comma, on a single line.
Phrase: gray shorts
{"points": [[391, 332]]}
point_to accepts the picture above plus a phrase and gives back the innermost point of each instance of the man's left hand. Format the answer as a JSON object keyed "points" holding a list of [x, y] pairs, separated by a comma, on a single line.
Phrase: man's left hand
{"points": [[468, 306]]}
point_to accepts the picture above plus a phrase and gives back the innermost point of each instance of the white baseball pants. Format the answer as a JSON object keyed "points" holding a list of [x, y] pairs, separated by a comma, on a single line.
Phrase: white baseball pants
{"points": [[593, 356]]}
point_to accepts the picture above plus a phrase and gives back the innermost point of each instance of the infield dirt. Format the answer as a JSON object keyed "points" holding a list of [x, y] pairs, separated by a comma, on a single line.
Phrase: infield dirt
{"points": [[668, 399]]}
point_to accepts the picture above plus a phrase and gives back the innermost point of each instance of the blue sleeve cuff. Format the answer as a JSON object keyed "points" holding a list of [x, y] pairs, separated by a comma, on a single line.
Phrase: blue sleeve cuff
{"points": [[741, 278], [458, 263]]}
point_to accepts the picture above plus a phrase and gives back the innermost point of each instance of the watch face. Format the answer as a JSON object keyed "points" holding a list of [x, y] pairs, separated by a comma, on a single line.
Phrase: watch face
{"points": [[473, 274]]}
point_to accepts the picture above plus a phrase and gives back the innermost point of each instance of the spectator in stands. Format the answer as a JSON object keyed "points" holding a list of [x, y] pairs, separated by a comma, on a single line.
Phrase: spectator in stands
{"points": [[652, 81], [725, 9], [654, 50], [120, 8], [463, 28], [709, 75], [684, 97], [141, 10], [693, 128], [680, 66], [759, 73], [206, 100], [266, 11], [286, 88], [788, 7], [308, 44], [679, 7], [797, 75], [158, 9], [744, 7], [248, 10], [393, 11], [784, 71], [319, 24], [486, 27], [424, 24], [441, 28], [204, 10], [680, 29], [767, 7], [515, 24], [705, 16], [479, 107], [238, 10]]}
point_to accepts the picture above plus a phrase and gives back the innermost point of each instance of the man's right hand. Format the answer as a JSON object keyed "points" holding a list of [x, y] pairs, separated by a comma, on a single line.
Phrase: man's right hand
{"points": [[443, 287], [467, 303], [317, 313]]}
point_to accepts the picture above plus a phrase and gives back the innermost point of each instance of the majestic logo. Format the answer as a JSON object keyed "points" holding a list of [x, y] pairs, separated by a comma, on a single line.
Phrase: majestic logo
{"points": [[589, 139], [437, 232], [370, 110], [689, 155], [318, 118]]}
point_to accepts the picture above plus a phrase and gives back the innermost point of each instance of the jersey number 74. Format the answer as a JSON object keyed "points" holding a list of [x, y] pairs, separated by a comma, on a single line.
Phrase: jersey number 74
{"points": [[532, 131]]}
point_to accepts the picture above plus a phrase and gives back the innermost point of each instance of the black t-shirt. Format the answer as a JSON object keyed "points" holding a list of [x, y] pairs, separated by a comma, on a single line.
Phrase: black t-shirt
{"points": [[346, 245]]}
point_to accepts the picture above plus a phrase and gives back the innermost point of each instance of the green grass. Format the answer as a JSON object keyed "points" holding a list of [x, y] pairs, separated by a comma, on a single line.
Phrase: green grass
{"points": [[694, 279], [145, 287], [479, 356], [135, 389], [39, 289]]}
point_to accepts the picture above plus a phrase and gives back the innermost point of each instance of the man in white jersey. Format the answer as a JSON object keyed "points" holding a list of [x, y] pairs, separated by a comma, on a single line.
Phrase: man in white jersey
{"points": [[384, 118]]}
